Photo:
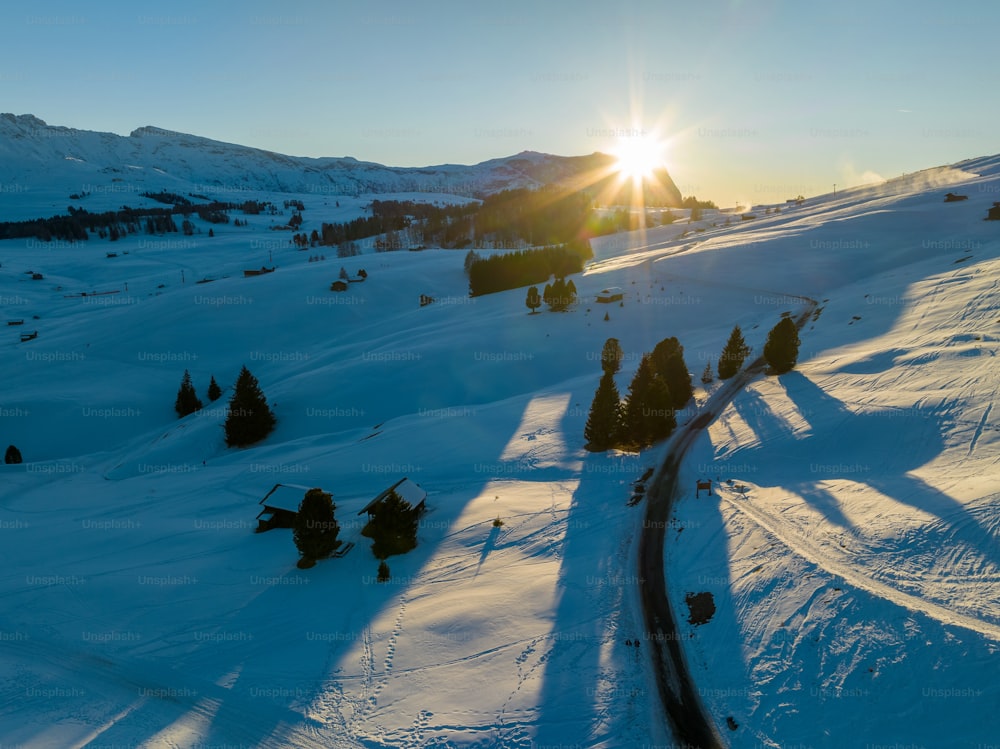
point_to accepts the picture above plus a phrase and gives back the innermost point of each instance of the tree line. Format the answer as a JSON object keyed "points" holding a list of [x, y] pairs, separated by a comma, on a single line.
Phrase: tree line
{"points": [[510, 270]]}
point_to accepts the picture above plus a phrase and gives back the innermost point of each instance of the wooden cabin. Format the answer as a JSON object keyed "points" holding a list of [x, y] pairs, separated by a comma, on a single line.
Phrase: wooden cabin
{"points": [[408, 490], [993, 214], [281, 505], [261, 272], [338, 285], [613, 294]]}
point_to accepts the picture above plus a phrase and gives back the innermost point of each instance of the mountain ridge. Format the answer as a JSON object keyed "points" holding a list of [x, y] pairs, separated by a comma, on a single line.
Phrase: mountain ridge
{"points": [[34, 153]]}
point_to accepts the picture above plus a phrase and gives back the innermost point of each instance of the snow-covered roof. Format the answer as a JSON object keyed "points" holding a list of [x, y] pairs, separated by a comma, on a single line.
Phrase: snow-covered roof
{"points": [[409, 491], [285, 497]]}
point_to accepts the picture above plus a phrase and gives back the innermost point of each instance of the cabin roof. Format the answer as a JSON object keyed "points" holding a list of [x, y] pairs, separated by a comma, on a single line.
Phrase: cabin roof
{"points": [[285, 497], [408, 490]]}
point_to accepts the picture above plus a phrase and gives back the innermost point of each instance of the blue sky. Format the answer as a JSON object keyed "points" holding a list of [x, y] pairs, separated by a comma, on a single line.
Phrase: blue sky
{"points": [[757, 99]]}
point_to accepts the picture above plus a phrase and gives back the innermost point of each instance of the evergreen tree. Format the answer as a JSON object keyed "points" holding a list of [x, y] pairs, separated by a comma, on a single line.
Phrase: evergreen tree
{"points": [[343, 274], [383, 572], [605, 419], [214, 391], [668, 360], [187, 399], [547, 294], [648, 410], [560, 296], [13, 455], [249, 419], [533, 301], [611, 356], [706, 375], [733, 354], [782, 348], [315, 530], [393, 527]]}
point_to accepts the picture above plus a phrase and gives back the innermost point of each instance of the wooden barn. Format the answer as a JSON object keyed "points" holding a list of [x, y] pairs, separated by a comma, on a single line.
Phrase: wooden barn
{"points": [[993, 214], [607, 296], [408, 490], [281, 505]]}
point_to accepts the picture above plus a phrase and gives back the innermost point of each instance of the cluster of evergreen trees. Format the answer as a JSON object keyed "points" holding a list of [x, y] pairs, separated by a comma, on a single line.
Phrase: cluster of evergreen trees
{"points": [[249, 418], [359, 228], [79, 223], [511, 270], [12, 456], [187, 401], [781, 350], [559, 295], [660, 385]]}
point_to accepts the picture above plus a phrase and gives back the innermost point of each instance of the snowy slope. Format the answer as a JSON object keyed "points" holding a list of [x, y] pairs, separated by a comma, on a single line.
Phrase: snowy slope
{"points": [[143, 611]]}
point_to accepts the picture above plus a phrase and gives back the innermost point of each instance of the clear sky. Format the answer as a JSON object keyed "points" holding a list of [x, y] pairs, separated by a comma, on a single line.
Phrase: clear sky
{"points": [[757, 99]]}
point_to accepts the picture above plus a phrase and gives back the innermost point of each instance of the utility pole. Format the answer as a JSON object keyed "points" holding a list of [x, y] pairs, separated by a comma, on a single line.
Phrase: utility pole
{"points": [[834, 189]]}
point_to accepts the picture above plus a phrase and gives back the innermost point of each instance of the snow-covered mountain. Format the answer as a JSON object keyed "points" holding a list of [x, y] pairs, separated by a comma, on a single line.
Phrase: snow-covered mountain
{"points": [[54, 162]]}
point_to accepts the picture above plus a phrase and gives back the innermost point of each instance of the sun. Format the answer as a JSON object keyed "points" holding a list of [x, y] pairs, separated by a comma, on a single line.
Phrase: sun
{"points": [[638, 157]]}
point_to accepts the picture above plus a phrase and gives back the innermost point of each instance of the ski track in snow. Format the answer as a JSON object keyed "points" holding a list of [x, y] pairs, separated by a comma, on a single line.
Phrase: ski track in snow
{"points": [[803, 546]]}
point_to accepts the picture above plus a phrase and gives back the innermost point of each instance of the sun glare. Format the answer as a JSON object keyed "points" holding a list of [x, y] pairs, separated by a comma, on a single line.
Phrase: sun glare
{"points": [[638, 157]]}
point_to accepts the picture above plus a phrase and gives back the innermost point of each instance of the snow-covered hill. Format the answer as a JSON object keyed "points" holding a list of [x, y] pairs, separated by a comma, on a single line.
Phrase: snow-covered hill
{"points": [[855, 579], [43, 165]]}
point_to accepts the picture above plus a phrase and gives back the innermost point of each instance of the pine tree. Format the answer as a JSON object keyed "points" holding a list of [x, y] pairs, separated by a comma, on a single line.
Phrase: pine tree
{"points": [[533, 301], [611, 356], [648, 410], [393, 527], [383, 572], [706, 375], [12, 456], [782, 347], [315, 529], [343, 274], [733, 354], [187, 399], [668, 360], [249, 419], [605, 419], [214, 391]]}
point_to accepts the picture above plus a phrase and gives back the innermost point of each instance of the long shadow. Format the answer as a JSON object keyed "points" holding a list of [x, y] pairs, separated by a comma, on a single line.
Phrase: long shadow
{"points": [[583, 699], [847, 445], [860, 439], [771, 429]]}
